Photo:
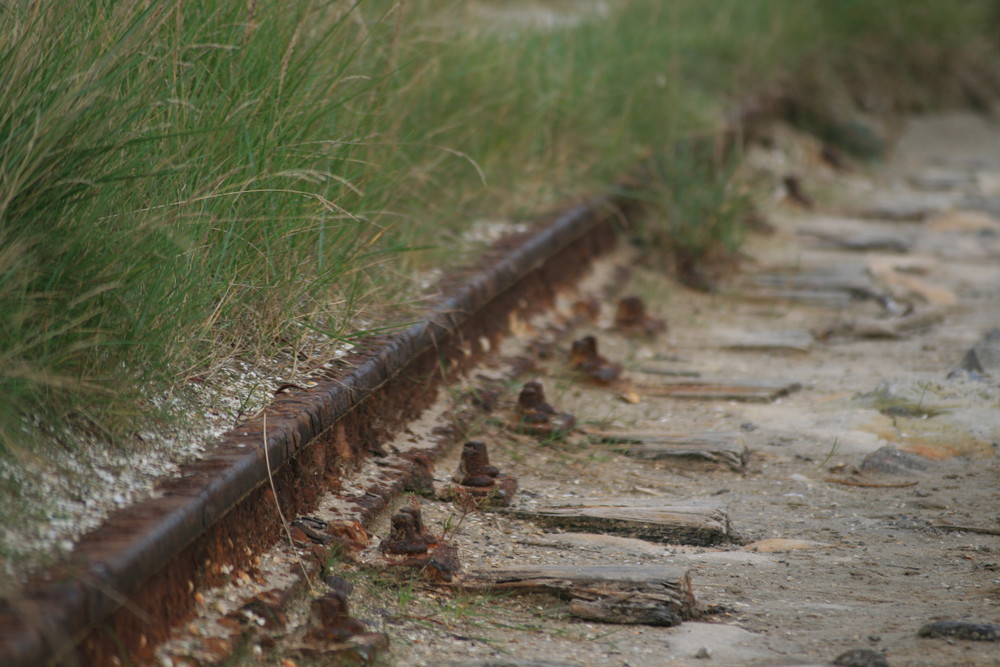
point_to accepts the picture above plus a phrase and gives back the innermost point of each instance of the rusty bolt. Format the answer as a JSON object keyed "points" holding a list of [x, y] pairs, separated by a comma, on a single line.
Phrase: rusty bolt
{"points": [[586, 310], [584, 351], [404, 536], [532, 398], [331, 609], [631, 312], [536, 416], [474, 468], [477, 482], [418, 524], [332, 619], [631, 316], [584, 357]]}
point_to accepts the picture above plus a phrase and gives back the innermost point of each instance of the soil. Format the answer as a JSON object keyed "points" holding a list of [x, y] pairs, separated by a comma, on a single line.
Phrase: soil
{"points": [[867, 507]]}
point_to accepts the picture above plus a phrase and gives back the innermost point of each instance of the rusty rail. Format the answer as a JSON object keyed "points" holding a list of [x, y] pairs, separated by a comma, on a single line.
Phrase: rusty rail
{"points": [[128, 581]]}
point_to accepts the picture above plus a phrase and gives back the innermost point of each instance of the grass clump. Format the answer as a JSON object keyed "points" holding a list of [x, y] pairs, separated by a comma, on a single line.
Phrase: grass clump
{"points": [[177, 185]]}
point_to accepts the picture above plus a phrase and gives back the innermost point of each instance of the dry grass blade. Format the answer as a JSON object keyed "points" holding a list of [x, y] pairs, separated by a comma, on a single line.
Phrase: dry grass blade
{"points": [[281, 515]]}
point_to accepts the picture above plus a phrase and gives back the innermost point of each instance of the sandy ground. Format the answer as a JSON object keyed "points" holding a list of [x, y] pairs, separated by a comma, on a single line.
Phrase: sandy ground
{"points": [[861, 567]]}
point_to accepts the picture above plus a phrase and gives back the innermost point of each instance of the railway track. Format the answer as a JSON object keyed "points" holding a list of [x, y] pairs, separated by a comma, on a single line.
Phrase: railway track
{"points": [[790, 474], [128, 583]]}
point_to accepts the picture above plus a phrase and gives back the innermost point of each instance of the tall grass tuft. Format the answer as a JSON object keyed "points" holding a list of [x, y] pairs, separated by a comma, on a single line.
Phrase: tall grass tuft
{"points": [[179, 183]]}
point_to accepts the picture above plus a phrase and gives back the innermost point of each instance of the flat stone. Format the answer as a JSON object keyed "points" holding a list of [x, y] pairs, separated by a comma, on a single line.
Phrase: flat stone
{"points": [[958, 140], [652, 369], [915, 423], [978, 247], [986, 203]]}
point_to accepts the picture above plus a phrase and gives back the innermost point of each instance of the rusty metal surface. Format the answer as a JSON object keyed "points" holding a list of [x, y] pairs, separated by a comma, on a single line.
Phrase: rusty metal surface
{"points": [[106, 582]]}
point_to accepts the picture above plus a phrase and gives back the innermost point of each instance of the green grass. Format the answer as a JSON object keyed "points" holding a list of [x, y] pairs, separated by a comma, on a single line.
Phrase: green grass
{"points": [[186, 183], [165, 196]]}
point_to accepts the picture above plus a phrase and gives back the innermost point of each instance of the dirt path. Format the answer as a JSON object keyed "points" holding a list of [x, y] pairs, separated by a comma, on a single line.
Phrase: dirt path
{"points": [[860, 502], [840, 556]]}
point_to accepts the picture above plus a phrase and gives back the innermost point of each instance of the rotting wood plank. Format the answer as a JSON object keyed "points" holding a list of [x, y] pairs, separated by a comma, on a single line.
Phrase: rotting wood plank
{"points": [[781, 341], [847, 277], [953, 528], [632, 594], [757, 391], [723, 447], [669, 372], [860, 242], [809, 297], [694, 523], [835, 287], [854, 235], [891, 328]]}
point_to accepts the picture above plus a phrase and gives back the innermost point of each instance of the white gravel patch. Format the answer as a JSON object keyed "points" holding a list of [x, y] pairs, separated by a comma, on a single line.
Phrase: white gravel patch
{"points": [[50, 503]]}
